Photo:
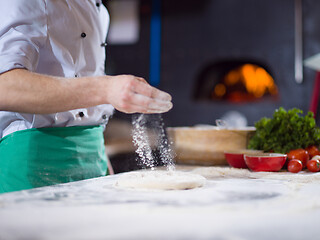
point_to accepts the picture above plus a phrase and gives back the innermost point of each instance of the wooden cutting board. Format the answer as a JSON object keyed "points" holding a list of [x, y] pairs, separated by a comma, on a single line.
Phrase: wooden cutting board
{"points": [[206, 146]]}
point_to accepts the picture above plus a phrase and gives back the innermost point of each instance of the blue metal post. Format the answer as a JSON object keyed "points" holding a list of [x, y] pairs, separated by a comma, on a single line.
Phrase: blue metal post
{"points": [[155, 43]]}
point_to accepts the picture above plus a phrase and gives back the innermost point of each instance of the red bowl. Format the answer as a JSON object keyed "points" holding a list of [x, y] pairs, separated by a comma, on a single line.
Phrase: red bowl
{"points": [[268, 162], [235, 158]]}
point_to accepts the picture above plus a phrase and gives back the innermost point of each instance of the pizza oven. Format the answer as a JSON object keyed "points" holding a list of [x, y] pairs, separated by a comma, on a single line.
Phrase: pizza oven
{"points": [[238, 82]]}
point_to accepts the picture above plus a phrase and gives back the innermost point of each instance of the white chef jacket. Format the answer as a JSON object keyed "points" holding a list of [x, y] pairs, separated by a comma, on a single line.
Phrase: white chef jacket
{"points": [[55, 37]]}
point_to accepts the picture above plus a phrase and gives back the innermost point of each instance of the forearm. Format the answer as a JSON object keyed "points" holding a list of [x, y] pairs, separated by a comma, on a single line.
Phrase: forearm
{"points": [[24, 91]]}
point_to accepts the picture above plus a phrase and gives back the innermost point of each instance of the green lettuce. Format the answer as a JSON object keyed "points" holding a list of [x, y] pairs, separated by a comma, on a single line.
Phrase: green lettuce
{"points": [[285, 131]]}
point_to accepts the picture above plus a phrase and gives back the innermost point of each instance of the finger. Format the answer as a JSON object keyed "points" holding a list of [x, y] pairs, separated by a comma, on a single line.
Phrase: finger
{"points": [[159, 106], [140, 109], [141, 87], [132, 108], [158, 94], [150, 104], [151, 111]]}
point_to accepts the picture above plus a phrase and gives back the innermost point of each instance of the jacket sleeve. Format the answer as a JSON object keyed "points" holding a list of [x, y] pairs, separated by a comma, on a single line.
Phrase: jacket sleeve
{"points": [[23, 30]]}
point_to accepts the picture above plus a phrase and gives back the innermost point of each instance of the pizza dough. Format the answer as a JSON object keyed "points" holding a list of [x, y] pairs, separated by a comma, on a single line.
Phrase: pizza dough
{"points": [[161, 180]]}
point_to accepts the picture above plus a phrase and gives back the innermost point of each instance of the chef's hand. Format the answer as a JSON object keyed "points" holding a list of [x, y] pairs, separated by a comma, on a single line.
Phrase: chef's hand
{"points": [[132, 94]]}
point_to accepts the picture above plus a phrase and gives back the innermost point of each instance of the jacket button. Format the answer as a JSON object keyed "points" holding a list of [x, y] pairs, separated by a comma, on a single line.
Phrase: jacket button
{"points": [[98, 4], [83, 35], [104, 116], [81, 114]]}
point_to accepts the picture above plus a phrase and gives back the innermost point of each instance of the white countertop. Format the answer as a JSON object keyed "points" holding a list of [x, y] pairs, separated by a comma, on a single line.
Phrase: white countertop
{"points": [[225, 208]]}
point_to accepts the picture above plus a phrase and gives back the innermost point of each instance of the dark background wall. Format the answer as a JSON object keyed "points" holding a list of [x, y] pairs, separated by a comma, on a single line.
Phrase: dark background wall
{"points": [[197, 33]]}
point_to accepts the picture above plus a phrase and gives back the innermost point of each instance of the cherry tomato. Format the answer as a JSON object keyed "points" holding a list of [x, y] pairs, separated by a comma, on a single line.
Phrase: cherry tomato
{"points": [[299, 154], [313, 165], [313, 151], [294, 166]]}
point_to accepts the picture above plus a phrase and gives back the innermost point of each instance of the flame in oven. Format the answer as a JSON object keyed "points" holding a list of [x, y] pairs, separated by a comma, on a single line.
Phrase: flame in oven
{"points": [[245, 83]]}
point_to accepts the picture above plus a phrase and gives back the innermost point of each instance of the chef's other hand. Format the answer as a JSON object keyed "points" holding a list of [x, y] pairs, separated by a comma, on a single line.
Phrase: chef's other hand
{"points": [[132, 94]]}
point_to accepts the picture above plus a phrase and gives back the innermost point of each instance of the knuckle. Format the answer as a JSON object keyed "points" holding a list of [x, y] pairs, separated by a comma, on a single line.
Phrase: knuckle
{"points": [[150, 91], [130, 84], [126, 97]]}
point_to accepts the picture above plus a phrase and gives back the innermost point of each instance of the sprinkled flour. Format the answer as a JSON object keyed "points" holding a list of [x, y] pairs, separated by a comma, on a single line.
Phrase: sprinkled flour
{"points": [[141, 141]]}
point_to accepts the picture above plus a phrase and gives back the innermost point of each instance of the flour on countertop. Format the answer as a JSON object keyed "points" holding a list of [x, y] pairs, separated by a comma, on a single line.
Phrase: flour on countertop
{"points": [[226, 172]]}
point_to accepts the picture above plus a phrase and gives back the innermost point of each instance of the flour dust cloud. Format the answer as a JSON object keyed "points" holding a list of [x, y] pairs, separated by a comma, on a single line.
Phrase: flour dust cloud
{"points": [[148, 134]]}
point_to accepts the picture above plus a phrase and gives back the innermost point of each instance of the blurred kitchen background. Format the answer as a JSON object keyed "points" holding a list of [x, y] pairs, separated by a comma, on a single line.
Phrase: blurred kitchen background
{"points": [[237, 60]]}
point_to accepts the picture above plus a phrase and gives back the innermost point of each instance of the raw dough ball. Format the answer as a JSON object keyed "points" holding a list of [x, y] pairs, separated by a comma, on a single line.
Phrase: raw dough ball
{"points": [[163, 180]]}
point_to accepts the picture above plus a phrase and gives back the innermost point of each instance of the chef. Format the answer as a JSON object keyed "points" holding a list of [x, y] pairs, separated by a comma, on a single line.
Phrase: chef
{"points": [[55, 99]]}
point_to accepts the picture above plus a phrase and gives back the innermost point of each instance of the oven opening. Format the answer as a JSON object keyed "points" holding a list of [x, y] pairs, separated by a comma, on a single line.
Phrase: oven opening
{"points": [[235, 82]]}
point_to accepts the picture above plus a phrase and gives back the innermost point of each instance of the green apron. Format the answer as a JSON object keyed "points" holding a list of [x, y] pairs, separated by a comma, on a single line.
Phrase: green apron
{"points": [[45, 156]]}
